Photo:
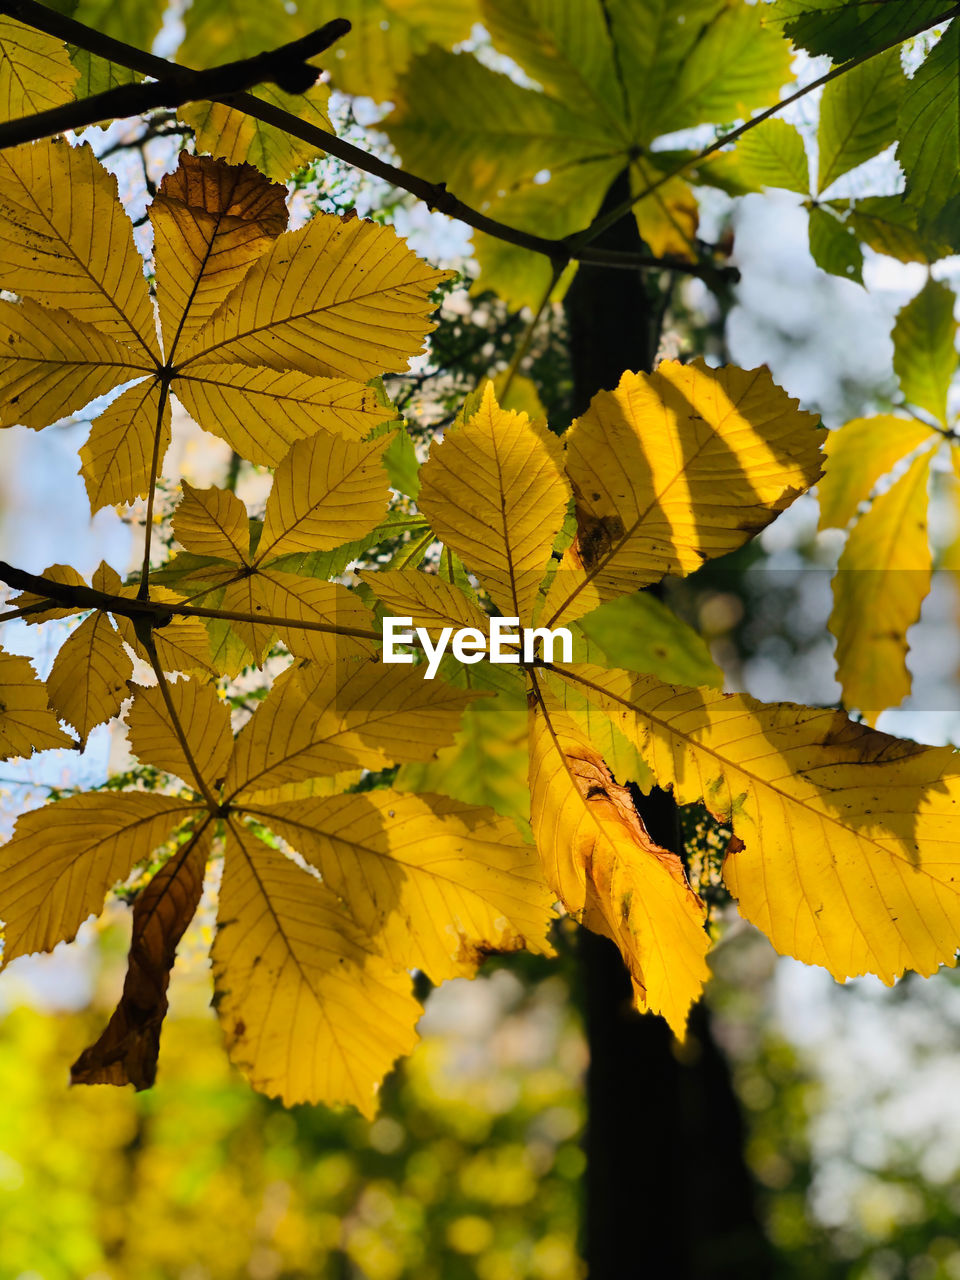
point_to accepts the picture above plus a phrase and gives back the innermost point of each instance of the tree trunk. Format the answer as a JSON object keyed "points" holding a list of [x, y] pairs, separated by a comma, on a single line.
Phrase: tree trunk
{"points": [[668, 1193]]}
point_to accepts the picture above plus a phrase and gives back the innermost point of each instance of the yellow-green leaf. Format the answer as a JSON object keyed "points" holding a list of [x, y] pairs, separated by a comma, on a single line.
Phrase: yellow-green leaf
{"points": [[239, 138], [386, 34], [773, 155], [261, 413], [925, 348], [487, 761], [212, 522], [52, 364], [323, 721], [431, 601], [858, 115]]}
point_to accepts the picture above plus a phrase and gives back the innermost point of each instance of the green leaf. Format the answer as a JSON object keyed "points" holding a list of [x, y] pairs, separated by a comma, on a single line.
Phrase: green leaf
{"points": [[640, 633], [458, 122], [834, 246], [487, 761], [924, 348], [858, 115], [929, 129], [888, 224], [844, 30], [773, 155], [401, 464], [565, 46], [718, 63]]}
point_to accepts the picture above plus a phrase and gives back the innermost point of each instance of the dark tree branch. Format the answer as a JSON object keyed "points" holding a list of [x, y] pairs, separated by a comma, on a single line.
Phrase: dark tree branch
{"points": [[152, 613], [286, 67], [434, 194]]}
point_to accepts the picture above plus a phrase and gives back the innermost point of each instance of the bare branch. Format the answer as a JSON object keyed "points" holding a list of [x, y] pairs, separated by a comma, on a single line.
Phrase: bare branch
{"points": [[154, 613], [286, 67]]}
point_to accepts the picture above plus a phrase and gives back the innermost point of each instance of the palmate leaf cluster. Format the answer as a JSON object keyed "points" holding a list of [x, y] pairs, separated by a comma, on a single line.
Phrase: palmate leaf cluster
{"points": [[512, 794]]}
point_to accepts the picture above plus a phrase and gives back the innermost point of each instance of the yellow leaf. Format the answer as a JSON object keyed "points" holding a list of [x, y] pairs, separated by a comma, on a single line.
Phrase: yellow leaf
{"points": [[434, 884], [599, 859], [858, 454], [261, 413], [851, 861], [354, 714], [239, 138], [66, 242], [309, 1013], [62, 859], [212, 522], [52, 364], [386, 34], [26, 722], [882, 580], [117, 457], [182, 645], [669, 216], [35, 71], [126, 1052], [340, 298], [674, 468], [211, 222], [88, 682], [312, 600], [62, 573], [428, 599], [204, 719], [495, 492], [326, 491]]}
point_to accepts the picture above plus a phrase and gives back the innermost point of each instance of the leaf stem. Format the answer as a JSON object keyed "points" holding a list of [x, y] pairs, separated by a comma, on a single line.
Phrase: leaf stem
{"points": [[523, 346], [209, 799], [143, 591]]}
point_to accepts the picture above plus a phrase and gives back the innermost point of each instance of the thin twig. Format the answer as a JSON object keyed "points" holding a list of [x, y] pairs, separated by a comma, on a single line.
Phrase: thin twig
{"points": [[154, 613], [144, 589], [523, 346], [434, 194], [286, 67]]}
